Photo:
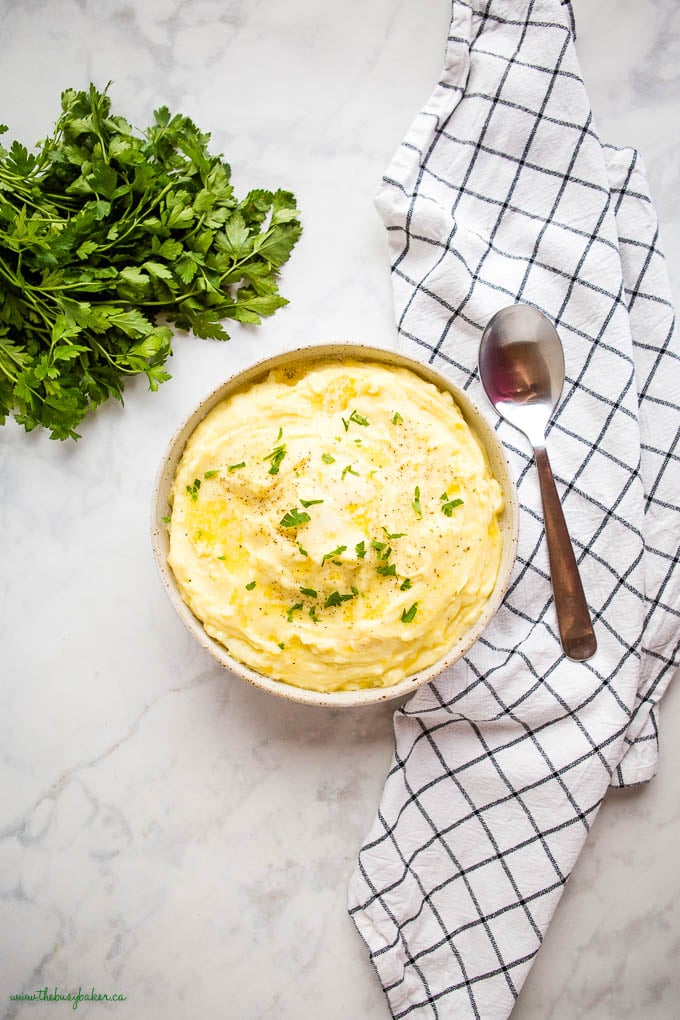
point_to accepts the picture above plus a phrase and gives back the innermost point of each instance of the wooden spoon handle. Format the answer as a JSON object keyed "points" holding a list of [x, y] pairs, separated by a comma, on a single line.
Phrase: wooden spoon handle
{"points": [[573, 618]]}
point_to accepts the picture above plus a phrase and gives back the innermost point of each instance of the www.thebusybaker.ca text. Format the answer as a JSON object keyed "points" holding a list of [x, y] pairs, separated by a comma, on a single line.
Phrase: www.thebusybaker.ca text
{"points": [[45, 995]]}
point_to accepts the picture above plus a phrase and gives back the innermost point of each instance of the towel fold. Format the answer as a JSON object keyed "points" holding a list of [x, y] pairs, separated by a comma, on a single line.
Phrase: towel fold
{"points": [[501, 192]]}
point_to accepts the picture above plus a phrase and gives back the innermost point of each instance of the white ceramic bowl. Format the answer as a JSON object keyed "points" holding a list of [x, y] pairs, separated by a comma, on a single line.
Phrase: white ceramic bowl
{"points": [[509, 523]]}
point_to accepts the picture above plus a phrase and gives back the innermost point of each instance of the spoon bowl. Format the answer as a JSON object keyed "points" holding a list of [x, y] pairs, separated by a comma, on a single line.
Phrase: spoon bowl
{"points": [[521, 365]]}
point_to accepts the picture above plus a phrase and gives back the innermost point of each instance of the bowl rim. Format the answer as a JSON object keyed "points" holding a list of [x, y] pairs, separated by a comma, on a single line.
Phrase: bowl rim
{"points": [[253, 372]]}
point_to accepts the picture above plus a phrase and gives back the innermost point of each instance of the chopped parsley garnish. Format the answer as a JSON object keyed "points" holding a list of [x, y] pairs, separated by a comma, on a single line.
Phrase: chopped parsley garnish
{"points": [[303, 552], [211, 474], [357, 418], [336, 599], [396, 418], [312, 613], [279, 435], [281, 644], [355, 591], [327, 459], [416, 502], [387, 570], [396, 534], [166, 519], [250, 585], [276, 456], [293, 609], [193, 489], [294, 518], [311, 592], [408, 615], [405, 584], [349, 470], [223, 558], [336, 552], [448, 508], [383, 550], [310, 502], [235, 467], [360, 548]]}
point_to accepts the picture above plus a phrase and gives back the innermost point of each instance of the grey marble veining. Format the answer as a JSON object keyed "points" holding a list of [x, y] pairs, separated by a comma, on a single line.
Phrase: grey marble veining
{"points": [[169, 832]]}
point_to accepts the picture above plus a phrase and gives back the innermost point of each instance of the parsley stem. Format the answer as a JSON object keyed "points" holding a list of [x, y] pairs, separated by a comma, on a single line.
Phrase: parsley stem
{"points": [[137, 222], [151, 304], [112, 361]]}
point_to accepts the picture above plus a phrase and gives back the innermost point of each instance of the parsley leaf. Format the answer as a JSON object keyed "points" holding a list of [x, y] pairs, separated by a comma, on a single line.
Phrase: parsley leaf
{"points": [[336, 599], [449, 507], [327, 459], [310, 502], [294, 518], [193, 489], [276, 456], [408, 615], [336, 552], [416, 502]]}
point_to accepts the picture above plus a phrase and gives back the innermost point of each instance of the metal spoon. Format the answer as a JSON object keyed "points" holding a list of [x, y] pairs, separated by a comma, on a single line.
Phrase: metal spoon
{"points": [[521, 365]]}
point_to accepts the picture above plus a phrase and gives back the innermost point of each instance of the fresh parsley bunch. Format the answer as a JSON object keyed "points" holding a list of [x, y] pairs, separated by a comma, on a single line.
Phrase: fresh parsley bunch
{"points": [[103, 230]]}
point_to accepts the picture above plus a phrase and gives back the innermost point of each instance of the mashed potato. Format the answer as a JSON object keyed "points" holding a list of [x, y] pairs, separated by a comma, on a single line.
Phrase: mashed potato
{"points": [[336, 526]]}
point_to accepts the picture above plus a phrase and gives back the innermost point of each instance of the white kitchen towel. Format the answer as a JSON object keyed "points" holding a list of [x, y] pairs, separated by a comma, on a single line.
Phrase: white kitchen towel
{"points": [[501, 192]]}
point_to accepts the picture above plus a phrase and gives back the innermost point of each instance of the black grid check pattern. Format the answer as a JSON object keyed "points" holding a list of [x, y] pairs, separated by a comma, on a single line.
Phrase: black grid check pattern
{"points": [[503, 192]]}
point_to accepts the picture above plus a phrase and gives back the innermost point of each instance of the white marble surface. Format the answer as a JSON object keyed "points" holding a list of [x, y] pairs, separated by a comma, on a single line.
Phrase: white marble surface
{"points": [[166, 831]]}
